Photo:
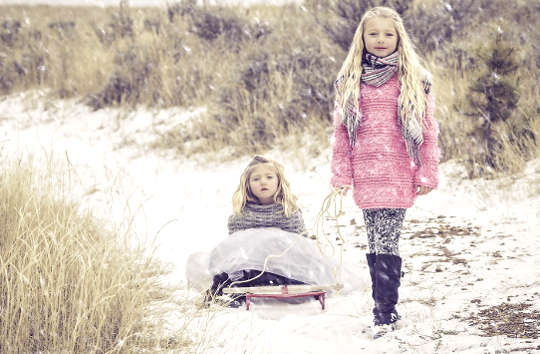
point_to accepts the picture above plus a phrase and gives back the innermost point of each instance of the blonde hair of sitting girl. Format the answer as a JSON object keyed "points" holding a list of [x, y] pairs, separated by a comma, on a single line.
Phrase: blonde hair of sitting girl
{"points": [[412, 75], [283, 193]]}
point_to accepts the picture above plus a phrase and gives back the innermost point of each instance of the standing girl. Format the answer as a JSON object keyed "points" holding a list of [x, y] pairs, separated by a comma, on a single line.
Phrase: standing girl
{"points": [[385, 144]]}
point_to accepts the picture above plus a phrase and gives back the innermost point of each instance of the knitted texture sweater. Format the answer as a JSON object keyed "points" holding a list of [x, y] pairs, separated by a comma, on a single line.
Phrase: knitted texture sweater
{"points": [[271, 215], [382, 173]]}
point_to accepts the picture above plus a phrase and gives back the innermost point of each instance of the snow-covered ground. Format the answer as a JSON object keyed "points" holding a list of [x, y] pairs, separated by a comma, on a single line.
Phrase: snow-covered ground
{"points": [[470, 248]]}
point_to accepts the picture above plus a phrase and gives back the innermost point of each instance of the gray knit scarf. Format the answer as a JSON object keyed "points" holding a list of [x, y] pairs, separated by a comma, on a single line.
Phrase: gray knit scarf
{"points": [[376, 71], [257, 215]]}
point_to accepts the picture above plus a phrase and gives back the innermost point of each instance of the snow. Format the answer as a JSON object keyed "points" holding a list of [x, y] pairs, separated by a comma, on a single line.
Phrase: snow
{"points": [[466, 246]]}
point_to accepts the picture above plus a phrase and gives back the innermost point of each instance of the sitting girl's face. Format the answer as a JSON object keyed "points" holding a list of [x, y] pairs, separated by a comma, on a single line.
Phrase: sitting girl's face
{"points": [[263, 183]]}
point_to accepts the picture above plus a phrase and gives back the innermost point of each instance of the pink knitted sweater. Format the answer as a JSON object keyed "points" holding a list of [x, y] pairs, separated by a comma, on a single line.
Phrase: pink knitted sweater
{"points": [[379, 167]]}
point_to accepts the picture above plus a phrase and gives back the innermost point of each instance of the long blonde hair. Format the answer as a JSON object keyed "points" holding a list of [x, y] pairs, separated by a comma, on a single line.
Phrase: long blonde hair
{"points": [[411, 73], [283, 194]]}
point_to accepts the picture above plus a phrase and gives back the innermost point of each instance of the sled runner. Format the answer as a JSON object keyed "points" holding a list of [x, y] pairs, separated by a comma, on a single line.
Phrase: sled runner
{"points": [[281, 292]]}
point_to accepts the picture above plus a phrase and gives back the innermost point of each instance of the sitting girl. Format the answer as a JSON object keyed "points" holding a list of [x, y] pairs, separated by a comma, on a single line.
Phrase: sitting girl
{"points": [[264, 247]]}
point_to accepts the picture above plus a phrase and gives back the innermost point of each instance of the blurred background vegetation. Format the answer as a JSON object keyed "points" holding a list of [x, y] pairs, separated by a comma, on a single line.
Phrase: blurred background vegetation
{"points": [[265, 72]]}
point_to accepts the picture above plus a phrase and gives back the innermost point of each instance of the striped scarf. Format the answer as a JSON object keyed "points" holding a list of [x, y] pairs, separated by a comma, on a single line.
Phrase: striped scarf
{"points": [[375, 72], [271, 215]]}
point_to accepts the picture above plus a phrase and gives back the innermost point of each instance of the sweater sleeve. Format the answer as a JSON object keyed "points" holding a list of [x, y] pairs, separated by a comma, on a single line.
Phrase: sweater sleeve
{"points": [[297, 222], [233, 224], [427, 173], [341, 153]]}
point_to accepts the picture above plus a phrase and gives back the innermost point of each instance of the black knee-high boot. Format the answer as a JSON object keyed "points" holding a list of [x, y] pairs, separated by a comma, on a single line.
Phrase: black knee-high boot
{"points": [[387, 281], [371, 260]]}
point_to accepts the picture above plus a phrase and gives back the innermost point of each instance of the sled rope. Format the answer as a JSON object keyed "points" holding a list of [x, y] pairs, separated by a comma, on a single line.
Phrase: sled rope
{"points": [[332, 209]]}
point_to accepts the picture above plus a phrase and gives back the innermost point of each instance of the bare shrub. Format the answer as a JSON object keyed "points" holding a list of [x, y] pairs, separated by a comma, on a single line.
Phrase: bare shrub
{"points": [[10, 31], [212, 22], [135, 80], [435, 25], [23, 62], [120, 25], [122, 22], [63, 28], [152, 25]]}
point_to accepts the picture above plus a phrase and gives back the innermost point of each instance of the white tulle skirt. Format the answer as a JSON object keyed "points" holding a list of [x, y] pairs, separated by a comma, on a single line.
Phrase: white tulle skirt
{"points": [[273, 250]]}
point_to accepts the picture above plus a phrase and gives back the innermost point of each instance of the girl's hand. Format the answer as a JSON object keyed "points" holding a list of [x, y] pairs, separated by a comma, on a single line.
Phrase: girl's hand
{"points": [[342, 190], [421, 190]]}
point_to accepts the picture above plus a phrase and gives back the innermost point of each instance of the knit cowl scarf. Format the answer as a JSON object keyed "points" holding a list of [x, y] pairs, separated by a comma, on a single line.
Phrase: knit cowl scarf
{"points": [[376, 71], [256, 215]]}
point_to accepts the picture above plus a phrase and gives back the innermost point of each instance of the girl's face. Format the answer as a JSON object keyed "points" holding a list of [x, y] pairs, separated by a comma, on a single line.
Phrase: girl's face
{"points": [[380, 36], [263, 183]]}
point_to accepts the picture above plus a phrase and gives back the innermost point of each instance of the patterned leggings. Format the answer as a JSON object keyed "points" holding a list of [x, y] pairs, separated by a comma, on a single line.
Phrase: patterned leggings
{"points": [[383, 229]]}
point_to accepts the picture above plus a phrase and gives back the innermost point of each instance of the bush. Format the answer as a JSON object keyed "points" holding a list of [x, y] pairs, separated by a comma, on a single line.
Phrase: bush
{"points": [[211, 23], [433, 26], [136, 79], [10, 32], [120, 25], [500, 132], [24, 60]]}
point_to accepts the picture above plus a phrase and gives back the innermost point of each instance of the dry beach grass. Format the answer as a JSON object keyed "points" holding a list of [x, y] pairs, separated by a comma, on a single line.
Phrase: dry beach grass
{"points": [[68, 283]]}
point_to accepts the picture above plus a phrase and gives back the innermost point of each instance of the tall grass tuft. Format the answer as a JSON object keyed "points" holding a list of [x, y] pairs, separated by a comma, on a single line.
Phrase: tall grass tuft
{"points": [[67, 284]]}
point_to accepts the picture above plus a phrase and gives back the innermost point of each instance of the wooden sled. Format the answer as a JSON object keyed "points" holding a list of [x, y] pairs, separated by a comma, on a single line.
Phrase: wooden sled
{"points": [[282, 292]]}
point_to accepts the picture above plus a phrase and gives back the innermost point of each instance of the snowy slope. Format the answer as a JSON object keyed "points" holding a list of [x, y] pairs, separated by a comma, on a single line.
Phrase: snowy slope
{"points": [[468, 247]]}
